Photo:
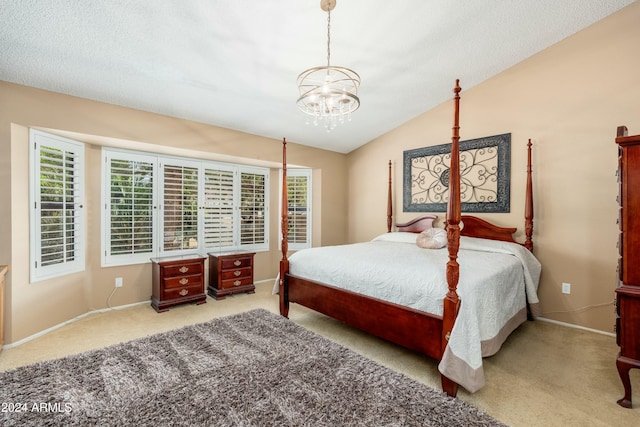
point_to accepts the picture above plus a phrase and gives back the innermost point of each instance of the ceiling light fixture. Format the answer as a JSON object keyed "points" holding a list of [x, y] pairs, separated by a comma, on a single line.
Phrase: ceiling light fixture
{"points": [[328, 94]]}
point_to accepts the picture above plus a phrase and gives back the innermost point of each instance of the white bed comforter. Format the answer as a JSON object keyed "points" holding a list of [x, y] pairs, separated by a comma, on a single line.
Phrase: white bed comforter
{"points": [[496, 280]]}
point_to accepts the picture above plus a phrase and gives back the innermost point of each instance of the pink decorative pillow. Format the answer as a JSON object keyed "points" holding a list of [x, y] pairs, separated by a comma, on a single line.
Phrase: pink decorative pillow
{"points": [[432, 238]]}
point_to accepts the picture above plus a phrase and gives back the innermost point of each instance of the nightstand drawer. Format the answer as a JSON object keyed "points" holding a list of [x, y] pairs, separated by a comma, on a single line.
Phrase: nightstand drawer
{"points": [[234, 283], [234, 263], [182, 270], [238, 273], [182, 281], [182, 292]]}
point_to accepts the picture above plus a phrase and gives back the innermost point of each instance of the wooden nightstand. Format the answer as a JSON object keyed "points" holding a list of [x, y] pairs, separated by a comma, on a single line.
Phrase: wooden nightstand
{"points": [[177, 280], [230, 273]]}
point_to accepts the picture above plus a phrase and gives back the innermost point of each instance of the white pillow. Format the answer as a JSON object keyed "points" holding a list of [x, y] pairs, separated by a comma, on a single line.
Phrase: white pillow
{"points": [[398, 236], [432, 238]]}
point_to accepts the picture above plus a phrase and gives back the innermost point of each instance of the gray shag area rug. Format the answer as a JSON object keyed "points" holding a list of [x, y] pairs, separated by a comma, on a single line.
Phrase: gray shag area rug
{"points": [[251, 369]]}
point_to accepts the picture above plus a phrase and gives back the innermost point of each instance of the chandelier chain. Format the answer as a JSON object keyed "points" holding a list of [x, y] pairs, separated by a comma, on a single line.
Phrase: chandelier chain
{"points": [[329, 37]]}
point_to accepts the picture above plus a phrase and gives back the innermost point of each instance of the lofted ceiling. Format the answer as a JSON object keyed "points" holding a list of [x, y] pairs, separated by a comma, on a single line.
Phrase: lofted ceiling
{"points": [[234, 64]]}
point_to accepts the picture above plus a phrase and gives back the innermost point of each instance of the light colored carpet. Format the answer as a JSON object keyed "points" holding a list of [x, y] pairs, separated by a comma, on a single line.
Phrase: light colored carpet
{"points": [[545, 374]]}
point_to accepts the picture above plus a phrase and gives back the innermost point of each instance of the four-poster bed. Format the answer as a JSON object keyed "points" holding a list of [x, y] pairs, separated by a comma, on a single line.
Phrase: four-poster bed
{"points": [[426, 328]]}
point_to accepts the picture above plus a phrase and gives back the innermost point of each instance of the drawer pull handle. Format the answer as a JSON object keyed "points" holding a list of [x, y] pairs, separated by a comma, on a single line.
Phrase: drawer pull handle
{"points": [[237, 273], [184, 292], [237, 283], [184, 281], [237, 262], [184, 269]]}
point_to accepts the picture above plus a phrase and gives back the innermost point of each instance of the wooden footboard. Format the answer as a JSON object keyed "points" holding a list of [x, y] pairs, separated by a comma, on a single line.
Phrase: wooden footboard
{"points": [[412, 329], [407, 327]]}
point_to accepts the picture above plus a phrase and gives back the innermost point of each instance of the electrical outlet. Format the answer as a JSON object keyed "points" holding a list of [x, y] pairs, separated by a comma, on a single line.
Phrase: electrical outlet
{"points": [[566, 288], [118, 282]]}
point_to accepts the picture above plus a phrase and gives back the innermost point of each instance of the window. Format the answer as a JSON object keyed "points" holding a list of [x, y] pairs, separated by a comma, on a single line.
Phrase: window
{"points": [[129, 204], [218, 207], [161, 206], [56, 200], [299, 203], [253, 223], [180, 206]]}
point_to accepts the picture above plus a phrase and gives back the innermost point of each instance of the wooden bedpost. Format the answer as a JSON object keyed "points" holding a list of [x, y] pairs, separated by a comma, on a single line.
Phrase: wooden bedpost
{"points": [[283, 291], [451, 300], [528, 207], [389, 203]]}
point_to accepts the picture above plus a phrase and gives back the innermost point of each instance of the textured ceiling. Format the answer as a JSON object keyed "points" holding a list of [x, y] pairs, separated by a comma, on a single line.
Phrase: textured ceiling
{"points": [[234, 63]]}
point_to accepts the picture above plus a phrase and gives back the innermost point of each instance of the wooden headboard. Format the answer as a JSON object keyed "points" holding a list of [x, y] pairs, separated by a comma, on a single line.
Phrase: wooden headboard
{"points": [[417, 225], [473, 226]]}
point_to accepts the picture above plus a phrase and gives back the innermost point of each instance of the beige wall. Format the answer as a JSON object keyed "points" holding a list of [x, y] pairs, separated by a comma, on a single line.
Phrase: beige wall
{"points": [[568, 99], [31, 308]]}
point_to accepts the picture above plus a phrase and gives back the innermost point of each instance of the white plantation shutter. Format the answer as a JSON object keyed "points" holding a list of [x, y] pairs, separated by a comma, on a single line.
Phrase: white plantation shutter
{"points": [[129, 204], [299, 203], [57, 199], [298, 209], [163, 206], [180, 206], [218, 208], [253, 209]]}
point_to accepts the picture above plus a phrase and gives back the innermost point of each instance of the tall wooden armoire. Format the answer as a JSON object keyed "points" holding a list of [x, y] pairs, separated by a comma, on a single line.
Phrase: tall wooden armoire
{"points": [[628, 290]]}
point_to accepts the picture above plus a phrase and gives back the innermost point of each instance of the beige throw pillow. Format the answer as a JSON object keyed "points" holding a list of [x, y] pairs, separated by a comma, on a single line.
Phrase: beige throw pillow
{"points": [[432, 238]]}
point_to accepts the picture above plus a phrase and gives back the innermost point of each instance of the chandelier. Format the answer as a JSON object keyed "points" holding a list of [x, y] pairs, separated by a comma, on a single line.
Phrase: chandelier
{"points": [[328, 93]]}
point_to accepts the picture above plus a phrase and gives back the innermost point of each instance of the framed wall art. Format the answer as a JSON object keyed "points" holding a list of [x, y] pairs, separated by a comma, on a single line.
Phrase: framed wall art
{"points": [[485, 176]]}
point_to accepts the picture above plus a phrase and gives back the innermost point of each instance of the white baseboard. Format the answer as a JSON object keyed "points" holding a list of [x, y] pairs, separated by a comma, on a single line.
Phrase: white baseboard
{"points": [[569, 325], [89, 313], [75, 319]]}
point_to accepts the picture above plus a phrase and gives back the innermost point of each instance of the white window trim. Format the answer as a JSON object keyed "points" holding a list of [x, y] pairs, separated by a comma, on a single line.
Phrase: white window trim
{"points": [[37, 271]]}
